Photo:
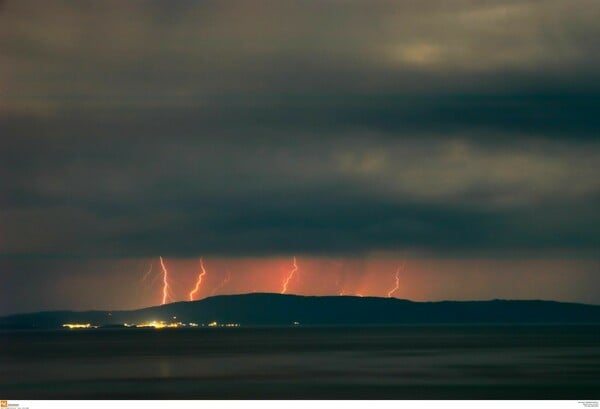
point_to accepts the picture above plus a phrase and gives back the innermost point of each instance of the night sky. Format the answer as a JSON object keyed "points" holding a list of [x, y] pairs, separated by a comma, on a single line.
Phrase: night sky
{"points": [[455, 140]]}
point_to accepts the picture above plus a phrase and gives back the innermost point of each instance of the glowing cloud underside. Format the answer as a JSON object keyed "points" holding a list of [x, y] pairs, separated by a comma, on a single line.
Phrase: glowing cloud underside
{"points": [[198, 281], [165, 281], [289, 277]]}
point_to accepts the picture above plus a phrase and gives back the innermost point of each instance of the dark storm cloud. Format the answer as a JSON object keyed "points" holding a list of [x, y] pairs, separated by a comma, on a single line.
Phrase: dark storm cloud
{"points": [[137, 128]]}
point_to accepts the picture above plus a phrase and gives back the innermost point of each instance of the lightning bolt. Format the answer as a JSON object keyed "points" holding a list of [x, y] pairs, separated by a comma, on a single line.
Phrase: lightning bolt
{"points": [[148, 272], [199, 280], [290, 276], [393, 290], [154, 279], [165, 281], [340, 281], [223, 283]]}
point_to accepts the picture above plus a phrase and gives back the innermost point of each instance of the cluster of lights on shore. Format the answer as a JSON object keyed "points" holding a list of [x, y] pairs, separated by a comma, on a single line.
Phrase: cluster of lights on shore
{"points": [[158, 325], [192, 295]]}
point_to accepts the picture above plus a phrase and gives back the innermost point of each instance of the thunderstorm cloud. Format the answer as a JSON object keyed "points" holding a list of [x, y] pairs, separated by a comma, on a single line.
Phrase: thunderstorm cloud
{"points": [[234, 128]]}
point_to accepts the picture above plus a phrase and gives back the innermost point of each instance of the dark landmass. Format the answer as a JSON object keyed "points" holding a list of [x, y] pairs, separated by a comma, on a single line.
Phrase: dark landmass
{"points": [[261, 309]]}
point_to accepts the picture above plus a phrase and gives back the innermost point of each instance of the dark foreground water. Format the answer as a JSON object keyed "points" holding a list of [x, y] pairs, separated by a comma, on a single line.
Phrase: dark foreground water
{"points": [[429, 362]]}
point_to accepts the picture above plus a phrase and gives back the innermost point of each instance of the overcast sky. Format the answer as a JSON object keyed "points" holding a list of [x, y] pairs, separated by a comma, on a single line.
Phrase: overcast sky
{"points": [[347, 130]]}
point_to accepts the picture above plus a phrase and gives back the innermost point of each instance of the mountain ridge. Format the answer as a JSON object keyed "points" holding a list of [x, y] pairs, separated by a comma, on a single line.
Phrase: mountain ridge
{"points": [[268, 309]]}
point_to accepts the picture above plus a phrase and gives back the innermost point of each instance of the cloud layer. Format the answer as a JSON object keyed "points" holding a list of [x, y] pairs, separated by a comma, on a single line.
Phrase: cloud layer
{"points": [[180, 128]]}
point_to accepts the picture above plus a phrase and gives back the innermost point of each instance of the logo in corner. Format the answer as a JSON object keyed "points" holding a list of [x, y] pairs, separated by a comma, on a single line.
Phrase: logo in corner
{"points": [[3, 404]]}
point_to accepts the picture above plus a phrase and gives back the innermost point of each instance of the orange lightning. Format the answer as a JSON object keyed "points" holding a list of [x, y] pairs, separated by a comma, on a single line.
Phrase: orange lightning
{"points": [[147, 273], [165, 281], [199, 281], [393, 290], [290, 276], [338, 282]]}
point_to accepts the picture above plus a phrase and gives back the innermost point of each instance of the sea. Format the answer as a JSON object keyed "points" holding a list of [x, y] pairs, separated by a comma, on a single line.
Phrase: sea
{"points": [[401, 362]]}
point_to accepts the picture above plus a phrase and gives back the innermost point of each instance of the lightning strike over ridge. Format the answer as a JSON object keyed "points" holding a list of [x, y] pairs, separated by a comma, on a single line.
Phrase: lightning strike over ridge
{"points": [[199, 280], [397, 286], [290, 276], [148, 272], [165, 281]]}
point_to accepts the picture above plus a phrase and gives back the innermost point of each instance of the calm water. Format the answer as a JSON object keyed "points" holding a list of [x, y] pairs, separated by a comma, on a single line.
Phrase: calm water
{"points": [[554, 362]]}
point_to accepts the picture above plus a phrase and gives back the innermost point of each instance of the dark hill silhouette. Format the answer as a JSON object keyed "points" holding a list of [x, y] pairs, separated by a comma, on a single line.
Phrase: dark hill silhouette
{"points": [[277, 309]]}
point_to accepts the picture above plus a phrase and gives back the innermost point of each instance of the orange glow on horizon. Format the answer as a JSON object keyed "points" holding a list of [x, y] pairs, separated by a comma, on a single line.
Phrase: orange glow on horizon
{"points": [[368, 275], [199, 280], [290, 276]]}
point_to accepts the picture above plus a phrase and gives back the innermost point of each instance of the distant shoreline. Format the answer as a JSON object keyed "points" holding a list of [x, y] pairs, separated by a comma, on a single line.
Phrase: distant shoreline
{"points": [[276, 310]]}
